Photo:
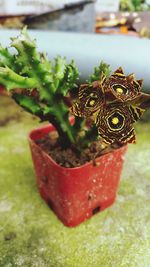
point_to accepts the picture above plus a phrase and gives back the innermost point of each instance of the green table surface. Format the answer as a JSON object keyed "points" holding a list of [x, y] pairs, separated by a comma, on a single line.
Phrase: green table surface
{"points": [[30, 233]]}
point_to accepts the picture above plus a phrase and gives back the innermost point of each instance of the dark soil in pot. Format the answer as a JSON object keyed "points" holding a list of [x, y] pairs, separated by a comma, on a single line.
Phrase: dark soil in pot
{"points": [[71, 157]]}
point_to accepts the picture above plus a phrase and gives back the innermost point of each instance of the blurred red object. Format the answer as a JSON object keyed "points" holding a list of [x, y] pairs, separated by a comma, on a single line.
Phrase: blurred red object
{"points": [[3, 90]]}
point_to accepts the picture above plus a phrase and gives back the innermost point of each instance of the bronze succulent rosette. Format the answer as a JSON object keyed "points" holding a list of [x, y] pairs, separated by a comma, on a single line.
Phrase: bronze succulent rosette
{"points": [[114, 104]]}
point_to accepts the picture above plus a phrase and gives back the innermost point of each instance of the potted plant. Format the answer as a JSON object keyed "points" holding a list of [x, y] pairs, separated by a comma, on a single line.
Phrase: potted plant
{"points": [[78, 157]]}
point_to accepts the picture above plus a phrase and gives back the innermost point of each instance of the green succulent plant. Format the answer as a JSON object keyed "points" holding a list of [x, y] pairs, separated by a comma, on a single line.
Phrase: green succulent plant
{"points": [[106, 105], [134, 5], [42, 87]]}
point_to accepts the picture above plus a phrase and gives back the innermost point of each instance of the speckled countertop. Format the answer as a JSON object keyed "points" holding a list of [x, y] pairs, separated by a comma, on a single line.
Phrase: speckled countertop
{"points": [[30, 233]]}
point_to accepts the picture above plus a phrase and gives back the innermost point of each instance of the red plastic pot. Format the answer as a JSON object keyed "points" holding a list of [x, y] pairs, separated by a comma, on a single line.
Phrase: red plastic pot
{"points": [[76, 194]]}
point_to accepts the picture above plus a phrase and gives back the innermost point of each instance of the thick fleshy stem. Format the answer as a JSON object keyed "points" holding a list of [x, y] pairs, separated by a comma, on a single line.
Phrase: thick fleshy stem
{"points": [[37, 85]]}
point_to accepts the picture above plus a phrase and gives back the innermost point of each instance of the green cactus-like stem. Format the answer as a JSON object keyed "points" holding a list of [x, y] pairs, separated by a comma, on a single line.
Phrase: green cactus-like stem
{"points": [[12, 80], [33, 65], [41, 87], [59, 118], [57, 115], [102, 69], [6, 58], [37, 85]]}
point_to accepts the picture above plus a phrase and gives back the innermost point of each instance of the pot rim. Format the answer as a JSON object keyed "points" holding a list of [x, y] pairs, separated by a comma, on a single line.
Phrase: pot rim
{"points": [[52, 129]]}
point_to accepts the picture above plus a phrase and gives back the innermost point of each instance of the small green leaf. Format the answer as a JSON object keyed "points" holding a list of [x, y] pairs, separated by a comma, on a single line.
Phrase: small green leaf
{"points": [[12, 80], [59, 68], [69, 79], [102, 69], [27, 103], [6, 58]]}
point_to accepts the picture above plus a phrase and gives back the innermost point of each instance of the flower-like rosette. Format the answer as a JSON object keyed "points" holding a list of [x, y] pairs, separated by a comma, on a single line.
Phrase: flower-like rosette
{"points": [[115, 124], [114, 105], [90, 100], [121, 87]]}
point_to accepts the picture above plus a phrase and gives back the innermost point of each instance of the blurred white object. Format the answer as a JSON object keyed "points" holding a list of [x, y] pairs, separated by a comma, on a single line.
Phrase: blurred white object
{"points": [[107, 6], [23, 7]]}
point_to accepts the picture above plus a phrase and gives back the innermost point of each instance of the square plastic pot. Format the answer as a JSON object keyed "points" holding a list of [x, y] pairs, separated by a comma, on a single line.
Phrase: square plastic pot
{"points": [[76, 194]]}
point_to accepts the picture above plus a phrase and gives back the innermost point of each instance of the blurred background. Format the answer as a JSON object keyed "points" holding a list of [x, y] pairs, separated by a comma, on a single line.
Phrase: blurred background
{"points": [[116, 31], [130, 17], [88, 31]]}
